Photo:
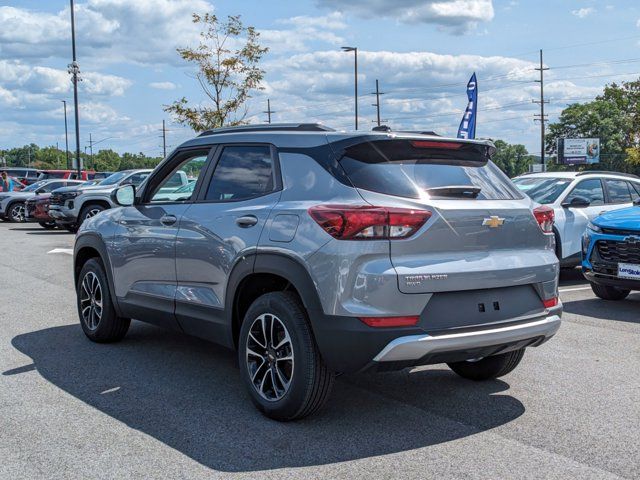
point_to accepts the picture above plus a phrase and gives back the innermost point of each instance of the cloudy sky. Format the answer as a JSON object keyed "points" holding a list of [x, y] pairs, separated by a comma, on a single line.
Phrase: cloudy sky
{"points": [[422, 52]]}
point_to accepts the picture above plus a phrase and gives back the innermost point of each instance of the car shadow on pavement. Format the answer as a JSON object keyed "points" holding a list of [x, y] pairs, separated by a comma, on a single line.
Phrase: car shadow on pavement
{"points": [[187, 394], [621, 310]]}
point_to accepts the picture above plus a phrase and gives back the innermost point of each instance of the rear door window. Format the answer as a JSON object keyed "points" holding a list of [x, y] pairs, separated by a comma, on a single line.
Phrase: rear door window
{"points": [[242, 172], [590, 189], [618, 191], [635, 190], [419, 169]]}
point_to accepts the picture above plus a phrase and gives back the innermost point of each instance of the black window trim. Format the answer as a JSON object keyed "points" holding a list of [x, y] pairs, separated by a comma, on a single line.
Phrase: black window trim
{"points": [[608, 194], [275, 160], [605, 196], [166, 167]]}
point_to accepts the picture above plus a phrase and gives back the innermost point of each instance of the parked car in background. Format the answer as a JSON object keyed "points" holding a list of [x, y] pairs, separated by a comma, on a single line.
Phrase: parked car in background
{"points": [[316, 252], [577, 198], [99, 175], [12, 204], [71, 208], [37, 207], [26, 176], [611, 253], [64, 175]]}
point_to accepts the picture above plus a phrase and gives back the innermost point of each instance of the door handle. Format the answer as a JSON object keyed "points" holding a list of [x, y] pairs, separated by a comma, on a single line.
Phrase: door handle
{"points": [[168, 220], [247, 221]]}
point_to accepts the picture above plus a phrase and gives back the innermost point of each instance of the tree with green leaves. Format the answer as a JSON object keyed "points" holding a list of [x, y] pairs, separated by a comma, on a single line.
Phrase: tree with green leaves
{"points": [[512, 159], [227, 61], [613, 117]]}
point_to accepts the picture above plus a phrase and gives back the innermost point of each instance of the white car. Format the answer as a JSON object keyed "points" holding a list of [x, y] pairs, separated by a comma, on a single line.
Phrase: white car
{"points": [[577, 198]]}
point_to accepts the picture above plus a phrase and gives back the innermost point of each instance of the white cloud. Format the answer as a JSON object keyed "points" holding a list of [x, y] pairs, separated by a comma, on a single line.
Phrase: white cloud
{"points": [[163, 85], [583, 12], [141, 31], [19, 76], [304, 30], [457, 15]]}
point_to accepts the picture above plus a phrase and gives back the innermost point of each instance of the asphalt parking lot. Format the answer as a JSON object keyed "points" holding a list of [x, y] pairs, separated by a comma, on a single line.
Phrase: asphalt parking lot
{"points": [[161, 405]]}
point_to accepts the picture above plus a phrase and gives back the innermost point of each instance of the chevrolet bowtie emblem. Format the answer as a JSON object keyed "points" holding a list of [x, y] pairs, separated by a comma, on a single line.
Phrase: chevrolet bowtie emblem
{"points": [[493, 222], [632, 240]]}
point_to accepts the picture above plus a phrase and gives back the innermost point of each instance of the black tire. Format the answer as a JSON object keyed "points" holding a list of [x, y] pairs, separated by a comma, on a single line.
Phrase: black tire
{"points": [[489, 367], [73, 228], [89, 211], [606, 292], [310, 381], [109, 327], [15, 212], [47, 225]]}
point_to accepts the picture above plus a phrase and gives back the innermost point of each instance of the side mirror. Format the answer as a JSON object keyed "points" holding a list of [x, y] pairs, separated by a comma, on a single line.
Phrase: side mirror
{"points": [[39, 191], [577, 202], [124, 195], [636, 202]]}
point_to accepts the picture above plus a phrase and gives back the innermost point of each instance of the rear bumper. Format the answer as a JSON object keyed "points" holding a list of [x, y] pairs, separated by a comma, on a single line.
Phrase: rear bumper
{"points": [[348, 345], [424, 347]]}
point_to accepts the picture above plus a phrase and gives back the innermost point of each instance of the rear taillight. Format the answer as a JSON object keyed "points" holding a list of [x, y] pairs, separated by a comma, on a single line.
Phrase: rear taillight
{"points": [[545, 217], [551, 302], [346, 222], [380, 322]]}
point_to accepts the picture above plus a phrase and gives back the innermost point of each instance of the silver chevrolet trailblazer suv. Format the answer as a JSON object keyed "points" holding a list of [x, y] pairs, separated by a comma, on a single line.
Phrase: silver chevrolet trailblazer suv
{"points": [[315, 252]]}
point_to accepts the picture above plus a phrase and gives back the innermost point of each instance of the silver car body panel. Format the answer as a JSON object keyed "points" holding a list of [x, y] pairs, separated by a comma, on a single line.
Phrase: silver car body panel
{"points": [[179, 274]]}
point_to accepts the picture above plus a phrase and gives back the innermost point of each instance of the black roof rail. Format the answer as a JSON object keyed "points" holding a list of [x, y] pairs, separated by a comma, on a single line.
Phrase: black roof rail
{"points": [[269, 127], [599, 172]]}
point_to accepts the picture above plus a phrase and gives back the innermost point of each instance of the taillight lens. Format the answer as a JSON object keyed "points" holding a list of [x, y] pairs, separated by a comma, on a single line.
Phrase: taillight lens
{"points": [[545, 217], [380, 322], [551, 302], [346, 222]]}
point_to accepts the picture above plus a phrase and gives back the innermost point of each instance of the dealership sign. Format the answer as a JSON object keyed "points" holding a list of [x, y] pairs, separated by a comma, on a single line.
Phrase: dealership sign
{"points": [[578, 151]]}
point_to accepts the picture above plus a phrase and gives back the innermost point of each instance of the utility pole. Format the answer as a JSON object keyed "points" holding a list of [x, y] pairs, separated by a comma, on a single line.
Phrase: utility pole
{"points": [[164, 141], [268, 111], [543, 117], [377, 93], [74, 70], [355, 58], [91, 148], [66, 135]]}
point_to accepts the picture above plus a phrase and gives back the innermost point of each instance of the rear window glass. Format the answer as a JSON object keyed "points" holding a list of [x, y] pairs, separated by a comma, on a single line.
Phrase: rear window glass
{"points": [[402, 168], [543, 190]]}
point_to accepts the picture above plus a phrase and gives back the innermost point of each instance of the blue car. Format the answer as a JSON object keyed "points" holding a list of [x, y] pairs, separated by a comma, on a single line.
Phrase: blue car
{"points": [[611, 253]]}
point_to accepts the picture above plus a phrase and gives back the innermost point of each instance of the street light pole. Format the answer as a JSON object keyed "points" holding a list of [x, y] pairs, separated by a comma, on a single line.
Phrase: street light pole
{"points": [[355, 64], [74, 70], [66, 134]]}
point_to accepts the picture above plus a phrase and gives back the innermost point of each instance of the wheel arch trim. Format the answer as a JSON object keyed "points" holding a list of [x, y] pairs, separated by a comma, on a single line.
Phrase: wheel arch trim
{"points": [[95, 242], [276, 263]]}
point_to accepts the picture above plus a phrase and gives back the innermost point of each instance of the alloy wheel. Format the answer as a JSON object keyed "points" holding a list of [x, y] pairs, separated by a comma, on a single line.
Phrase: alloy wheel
{"points": [[269, 357], [91, 300], [92, 213], [17, 213]]}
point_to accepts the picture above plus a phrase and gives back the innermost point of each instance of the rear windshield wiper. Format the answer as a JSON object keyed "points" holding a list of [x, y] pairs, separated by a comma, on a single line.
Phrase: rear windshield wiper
{"points": [[466, 191]]}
